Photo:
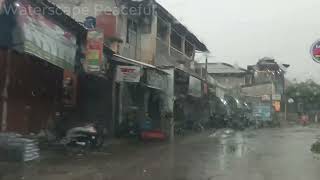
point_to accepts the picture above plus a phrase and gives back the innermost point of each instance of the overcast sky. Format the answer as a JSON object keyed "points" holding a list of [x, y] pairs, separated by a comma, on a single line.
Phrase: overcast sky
{"points": [[242, 31]]}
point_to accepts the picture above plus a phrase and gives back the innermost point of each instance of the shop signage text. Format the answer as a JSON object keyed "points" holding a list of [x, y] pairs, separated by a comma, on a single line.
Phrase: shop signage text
{"points": [[45, 39], [128, 74]]}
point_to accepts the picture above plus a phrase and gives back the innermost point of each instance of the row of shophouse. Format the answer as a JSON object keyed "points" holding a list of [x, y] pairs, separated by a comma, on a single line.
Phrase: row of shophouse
{"points": [[98, 66], [86, 61]]}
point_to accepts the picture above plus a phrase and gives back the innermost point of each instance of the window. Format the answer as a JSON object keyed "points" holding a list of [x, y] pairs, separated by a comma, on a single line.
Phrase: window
{"points": [[176, 40], [189, 49], [162, 29], [132, 29]]}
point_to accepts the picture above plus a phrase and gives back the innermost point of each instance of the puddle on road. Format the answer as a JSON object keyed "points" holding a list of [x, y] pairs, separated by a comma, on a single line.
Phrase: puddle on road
{"points": [[230, 148], [231, 142], [223, 133]]}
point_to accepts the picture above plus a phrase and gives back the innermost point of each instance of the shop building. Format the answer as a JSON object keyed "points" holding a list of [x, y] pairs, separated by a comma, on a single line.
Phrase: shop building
{"points": [[36, 50]]}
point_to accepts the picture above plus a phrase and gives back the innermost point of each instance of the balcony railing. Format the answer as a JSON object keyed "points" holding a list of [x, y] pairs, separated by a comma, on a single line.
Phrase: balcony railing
{"points": [[175, 58]]}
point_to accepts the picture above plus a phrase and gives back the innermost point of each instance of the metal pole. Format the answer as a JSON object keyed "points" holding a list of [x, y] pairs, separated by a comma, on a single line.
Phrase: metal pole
{"points": [[5, 93], [172, 107], [114, 108], [120, 110], [206, 77], [285, 110]]}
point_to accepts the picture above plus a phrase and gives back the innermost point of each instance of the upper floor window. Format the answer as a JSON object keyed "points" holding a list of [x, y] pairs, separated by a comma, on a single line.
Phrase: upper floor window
{"points": [[162, 29], [176, 40], [189, 49], [132, 29]]}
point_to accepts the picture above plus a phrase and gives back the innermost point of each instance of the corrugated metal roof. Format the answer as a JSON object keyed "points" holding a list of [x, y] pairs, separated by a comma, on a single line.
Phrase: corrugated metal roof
{"points": [[123, 59], [60, 16], [224, 68]]}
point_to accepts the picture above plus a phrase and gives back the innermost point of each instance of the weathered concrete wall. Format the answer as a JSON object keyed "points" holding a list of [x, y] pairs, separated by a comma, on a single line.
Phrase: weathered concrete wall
{"points": [[146, 48], [148, 43], [220, 92], [257, 90], [80, 9], [230, 82]]}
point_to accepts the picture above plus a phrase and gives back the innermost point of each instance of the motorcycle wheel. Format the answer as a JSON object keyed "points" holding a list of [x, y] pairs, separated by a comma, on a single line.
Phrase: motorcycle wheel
{"points": [[99, 141], [77, 149]]}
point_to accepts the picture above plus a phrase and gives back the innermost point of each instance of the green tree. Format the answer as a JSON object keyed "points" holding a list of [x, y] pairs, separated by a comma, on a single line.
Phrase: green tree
{"points": [[307, 93]]}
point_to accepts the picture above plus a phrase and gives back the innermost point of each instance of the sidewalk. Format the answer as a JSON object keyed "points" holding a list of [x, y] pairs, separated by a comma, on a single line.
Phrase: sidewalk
{"points": [[118, 154]]}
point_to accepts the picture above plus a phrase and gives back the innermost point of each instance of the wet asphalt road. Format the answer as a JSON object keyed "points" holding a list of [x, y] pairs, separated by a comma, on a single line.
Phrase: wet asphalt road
{"points": [[275, 154]]}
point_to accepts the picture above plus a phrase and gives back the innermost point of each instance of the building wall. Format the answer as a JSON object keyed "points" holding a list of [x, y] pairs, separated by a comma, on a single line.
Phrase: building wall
{"points": [[220, 92], [230, 81], [258, 90], [146, 48], [148, 43], [143, 49], [166, 54]]}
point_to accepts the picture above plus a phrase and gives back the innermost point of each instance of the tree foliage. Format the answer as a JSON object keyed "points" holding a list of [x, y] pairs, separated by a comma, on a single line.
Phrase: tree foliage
{"points": [[307, 93]]}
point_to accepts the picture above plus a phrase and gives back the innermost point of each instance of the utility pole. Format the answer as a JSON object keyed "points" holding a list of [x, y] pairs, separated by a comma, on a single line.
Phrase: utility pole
{"points": [[206, 66]]}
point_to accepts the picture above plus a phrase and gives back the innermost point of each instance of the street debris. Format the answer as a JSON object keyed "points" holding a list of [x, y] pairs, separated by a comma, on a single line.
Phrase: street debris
{"points": [[315, 148]]}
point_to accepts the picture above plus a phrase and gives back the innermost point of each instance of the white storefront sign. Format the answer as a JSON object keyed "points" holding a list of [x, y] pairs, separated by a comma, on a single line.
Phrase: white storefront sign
{"points": [[128, 74], [276, 97], [265, 97], [45, 39]]}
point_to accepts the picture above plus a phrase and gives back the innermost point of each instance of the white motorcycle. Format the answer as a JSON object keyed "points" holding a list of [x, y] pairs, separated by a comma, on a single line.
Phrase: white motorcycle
{"points": [[86, 137]]}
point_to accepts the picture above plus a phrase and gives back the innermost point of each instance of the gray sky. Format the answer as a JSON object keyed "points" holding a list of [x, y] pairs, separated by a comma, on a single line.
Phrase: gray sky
{"points": [[242, 31]]}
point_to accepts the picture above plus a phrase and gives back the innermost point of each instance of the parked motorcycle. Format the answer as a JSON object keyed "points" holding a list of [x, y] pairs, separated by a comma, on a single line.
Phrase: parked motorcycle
{"points": [[90, 136]]}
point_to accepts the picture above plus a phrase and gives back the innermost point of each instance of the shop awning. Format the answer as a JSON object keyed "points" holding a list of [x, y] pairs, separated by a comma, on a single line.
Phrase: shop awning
{"points": [[156, 80], [123, 59], [45, 38], [154, 77], [187, 71]]}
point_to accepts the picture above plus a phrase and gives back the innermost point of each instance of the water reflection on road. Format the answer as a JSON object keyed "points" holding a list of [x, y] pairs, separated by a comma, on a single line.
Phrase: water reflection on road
{"points": [[273, 154]]}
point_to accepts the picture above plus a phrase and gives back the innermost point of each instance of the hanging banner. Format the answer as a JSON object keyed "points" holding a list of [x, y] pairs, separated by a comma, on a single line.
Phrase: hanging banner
{"points": [[128, 74], [156, 79], [195, 87], [44, 38], [276, 106], [94, 51]]}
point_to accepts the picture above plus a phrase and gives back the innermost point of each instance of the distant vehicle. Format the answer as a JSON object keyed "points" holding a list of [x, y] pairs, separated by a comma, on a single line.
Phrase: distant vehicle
{"points": [[237, 115], [219, 113]]}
